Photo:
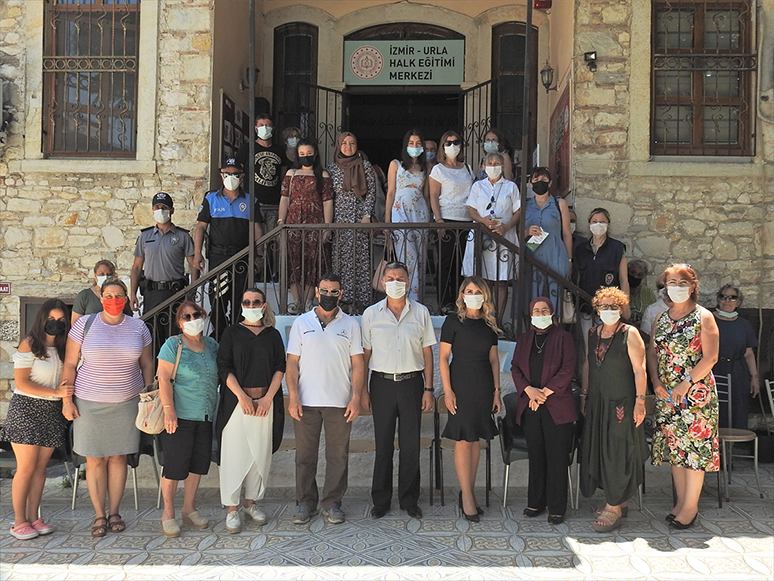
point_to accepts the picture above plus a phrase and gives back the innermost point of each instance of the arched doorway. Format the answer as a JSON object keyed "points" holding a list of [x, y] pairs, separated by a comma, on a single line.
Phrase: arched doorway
{"points": [[381, 115]]}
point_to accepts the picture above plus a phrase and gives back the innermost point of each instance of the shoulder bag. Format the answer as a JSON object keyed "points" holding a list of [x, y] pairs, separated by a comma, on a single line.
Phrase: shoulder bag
{"points": [[150, 412]]}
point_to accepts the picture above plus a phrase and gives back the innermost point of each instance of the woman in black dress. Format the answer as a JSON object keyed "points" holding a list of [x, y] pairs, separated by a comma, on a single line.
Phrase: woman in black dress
{"points": [[471, 383], [736, 356], [251, 365]]}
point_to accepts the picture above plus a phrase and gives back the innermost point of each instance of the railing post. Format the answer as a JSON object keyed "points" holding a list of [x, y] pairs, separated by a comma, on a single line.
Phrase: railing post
{"points": [[251, 150], [525, 160], [283, 269]]}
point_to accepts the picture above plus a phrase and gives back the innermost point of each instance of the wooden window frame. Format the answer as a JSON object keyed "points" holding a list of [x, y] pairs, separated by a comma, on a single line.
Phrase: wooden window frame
{"points": [[56, 67], [698, 60], [281, 33]]}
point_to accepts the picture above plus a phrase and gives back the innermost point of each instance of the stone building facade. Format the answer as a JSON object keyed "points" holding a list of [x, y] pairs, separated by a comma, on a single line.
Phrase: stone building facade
{"points": [[59, 216]]}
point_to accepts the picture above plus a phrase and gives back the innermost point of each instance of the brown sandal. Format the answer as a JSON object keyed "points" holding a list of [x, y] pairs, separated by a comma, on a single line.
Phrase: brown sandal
{"points": [[101, 529], [117, 525]]}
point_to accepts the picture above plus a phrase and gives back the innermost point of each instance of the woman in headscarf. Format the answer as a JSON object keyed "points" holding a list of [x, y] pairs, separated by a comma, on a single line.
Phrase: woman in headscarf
{"points": [[354, 187], [542, 368]]}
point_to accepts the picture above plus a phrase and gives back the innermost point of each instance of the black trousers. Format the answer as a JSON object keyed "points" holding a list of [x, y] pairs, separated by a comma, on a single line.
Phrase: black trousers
{"points": [[163, 325], [225, 292], [549, 451], [452, 247], [401, 401]]}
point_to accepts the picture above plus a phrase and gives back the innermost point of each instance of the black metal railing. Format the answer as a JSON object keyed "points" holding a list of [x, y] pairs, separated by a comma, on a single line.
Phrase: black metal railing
{"points": [[436, 254], [478, 114]]}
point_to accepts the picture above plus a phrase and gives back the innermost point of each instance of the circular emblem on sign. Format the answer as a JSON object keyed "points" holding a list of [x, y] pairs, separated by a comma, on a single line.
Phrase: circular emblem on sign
{"points": [[366, 62], [242, 207]]}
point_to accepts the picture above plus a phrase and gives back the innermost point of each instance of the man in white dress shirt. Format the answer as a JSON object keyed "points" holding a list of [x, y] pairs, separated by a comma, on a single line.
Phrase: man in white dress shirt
{"points": [[398, 337], [324, 350]]}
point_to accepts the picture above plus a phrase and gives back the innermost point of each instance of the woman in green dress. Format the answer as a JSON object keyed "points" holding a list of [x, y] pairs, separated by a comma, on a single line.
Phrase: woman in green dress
{"points": [[613, 447]]}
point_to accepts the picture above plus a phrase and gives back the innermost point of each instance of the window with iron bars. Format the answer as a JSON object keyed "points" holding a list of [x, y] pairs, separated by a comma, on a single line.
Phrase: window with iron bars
{"points": [[90, 54], [702, 84]]}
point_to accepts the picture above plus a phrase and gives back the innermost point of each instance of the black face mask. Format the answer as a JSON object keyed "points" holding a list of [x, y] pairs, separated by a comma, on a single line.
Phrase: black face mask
{"points": [[328, 303], [634, 282], [306, 160], [540, 188], [54, 328]]}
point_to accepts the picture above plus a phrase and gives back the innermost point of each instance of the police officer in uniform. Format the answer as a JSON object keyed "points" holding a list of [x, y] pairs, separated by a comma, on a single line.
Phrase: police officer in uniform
{"points": [[225, 216], [161, 251]]}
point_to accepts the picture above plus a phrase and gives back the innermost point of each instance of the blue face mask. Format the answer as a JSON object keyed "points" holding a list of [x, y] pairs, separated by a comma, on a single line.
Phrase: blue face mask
{"points": [[415, 151], [430, 156]]}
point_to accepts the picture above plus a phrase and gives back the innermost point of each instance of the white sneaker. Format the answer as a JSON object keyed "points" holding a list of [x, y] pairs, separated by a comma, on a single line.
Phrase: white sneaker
{"points": [[233, 522], [256, 514]]}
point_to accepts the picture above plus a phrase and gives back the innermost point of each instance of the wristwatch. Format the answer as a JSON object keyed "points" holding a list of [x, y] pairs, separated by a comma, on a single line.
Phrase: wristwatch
{"points": [[688, 379], [429, 389]]}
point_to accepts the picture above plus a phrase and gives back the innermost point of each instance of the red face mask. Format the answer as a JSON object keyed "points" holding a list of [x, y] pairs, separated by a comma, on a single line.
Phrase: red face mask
{"points": [[113, 307]]}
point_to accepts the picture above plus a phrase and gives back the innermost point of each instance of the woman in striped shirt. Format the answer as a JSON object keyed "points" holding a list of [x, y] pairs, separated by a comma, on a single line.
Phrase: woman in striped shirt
{"points": [[117, 364]]}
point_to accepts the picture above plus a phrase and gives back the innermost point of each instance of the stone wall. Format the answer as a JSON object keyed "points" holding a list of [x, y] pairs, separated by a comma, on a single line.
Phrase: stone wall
{"points": [[57, 222], [715, 216]]}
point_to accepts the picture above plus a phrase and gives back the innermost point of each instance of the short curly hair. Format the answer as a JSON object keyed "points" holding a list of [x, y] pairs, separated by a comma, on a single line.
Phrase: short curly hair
{"points": [[610, 294]]}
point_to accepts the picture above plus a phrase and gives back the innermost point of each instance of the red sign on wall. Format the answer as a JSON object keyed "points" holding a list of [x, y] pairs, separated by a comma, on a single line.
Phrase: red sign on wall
{"points": [[5, 289]]}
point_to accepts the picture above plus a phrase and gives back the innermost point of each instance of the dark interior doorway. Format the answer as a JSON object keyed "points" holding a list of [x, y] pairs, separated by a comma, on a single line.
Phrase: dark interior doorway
{"points": [[381, 120]]}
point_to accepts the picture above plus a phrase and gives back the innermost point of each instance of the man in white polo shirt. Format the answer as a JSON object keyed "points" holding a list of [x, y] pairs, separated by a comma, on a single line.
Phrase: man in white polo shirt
{"points": [[397, 340], [324, 348]]}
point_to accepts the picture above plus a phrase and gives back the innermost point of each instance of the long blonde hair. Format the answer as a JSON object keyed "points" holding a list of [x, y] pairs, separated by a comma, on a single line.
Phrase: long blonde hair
{"points": [[488, 307]]}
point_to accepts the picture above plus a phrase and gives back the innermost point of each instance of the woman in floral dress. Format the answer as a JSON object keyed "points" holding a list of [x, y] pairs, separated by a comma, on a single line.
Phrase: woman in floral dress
{"points": [[683, 350], [307, 198], [354, 186], [407, 201]]}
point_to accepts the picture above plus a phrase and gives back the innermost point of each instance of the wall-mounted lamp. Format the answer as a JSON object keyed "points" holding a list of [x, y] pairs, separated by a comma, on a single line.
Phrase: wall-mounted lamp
{"points": [[591, 60], [244, 85], [547, 78]]}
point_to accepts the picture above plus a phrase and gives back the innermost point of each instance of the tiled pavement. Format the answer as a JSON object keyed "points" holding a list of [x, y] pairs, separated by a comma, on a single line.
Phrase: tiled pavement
{"points": [[734, 543]]}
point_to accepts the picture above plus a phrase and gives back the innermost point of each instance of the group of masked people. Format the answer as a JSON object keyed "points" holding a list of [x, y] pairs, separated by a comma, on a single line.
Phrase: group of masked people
{"points": [[682, 350], [91, 372]]}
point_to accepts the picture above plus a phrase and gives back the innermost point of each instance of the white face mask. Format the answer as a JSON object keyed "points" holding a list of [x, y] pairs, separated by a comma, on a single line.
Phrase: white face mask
{"points": [[598, 228], [494, 171], [491, 146], [451, 151], [610, 317], [542, 322], [679, 294], [264, 132], [292, 142], [231, 182], [572, 227], [101, 280], [162, 216], [395, 289], [252, 315], [731, 315], [193, 327], [473, 302]]}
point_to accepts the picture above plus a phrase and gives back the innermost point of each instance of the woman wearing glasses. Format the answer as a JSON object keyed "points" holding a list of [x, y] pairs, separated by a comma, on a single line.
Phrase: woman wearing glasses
{"points": [[613, 448], [735, 356], [494, 202], [450, 181], [681, 354], [251, 365], [189, 404]]}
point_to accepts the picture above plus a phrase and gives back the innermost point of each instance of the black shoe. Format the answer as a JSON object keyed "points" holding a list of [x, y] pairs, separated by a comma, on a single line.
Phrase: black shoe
{"points": [[669, 518], [479, 511], [533, 512], [555, 519], [471, 517], [676, 524], [414, 511], [379, 511]]}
